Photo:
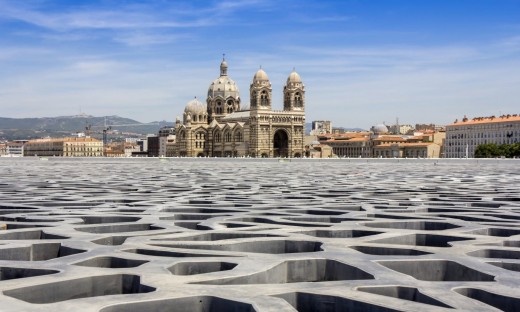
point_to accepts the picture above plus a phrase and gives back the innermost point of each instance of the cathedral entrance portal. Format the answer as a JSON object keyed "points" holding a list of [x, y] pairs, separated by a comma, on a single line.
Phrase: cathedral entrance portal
{"points": [[281, 144]]}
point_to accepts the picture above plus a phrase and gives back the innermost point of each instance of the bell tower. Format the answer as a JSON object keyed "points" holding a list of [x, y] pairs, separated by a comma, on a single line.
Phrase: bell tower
{"points": [[294, 93], [260, 91]]}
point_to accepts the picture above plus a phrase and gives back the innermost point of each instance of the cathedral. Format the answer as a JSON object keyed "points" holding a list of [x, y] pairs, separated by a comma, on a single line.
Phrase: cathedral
{"points": [[223, 127]]}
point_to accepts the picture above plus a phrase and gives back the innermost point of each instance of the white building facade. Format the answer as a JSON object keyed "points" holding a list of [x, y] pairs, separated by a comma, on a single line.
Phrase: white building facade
{"points": [[463, 137]]}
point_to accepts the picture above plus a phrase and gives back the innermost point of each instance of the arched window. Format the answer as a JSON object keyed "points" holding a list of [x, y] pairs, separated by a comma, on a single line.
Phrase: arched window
{"points": [[217, 137], [229, 108], [287, 100], [298, 100], [263, 98], [227, 136], [238, 136], [219, 108], [253, 99], [200, 138]]}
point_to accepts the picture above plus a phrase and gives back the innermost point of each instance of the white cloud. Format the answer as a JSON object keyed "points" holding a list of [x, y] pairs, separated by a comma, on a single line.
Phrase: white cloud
{"points": [[146, 38], [354, 85], [125, 17], [94, 68], [16, 53]]}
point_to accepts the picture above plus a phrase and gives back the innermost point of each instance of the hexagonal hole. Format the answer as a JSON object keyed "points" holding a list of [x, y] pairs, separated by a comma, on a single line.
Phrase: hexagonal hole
{"points": [[108, 219], [414, 225], [511, 266], [216, 237], [30, 235], [269, 246], [430, 240], [404, 293], [86, 287], [496, 253], [438, 270], [299, 271], [501, 302], [500, 232], [192, 304], [118, 228], [194, 268], [111, 262], [340, 233], [383, 251], [8, 273], [38, 252], [308, 302]]}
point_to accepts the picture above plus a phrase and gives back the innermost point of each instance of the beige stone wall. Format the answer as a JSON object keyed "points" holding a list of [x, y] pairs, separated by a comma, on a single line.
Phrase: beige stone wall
{"points": [[431, 150], [75, 147], [83, 149], [353, 149], [265, 124]]}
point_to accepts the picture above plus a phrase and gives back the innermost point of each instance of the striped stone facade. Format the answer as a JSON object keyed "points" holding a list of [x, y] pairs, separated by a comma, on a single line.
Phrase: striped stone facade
{"points": [[221, 128]]}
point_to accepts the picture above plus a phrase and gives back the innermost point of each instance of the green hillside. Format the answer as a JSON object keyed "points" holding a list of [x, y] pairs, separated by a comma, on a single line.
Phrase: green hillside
{"points": [[31, 128]]}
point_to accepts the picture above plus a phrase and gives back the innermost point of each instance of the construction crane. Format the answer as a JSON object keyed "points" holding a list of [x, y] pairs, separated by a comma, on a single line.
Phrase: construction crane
{"points": [[107, 128]]}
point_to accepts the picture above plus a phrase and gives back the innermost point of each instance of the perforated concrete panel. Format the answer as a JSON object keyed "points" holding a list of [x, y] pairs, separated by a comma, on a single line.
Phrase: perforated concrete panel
{"points": [[259, 235]]}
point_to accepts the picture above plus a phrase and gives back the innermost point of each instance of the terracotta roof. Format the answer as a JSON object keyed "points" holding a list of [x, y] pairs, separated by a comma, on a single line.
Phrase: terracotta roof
{"points": [[343, 136], [485, 120], [403, 145], [359, 139], [391, 139], [417, 144]]}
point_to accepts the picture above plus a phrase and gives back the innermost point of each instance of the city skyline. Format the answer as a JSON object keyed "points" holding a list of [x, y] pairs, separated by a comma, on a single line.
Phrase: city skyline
{"points": [[363, 63]]}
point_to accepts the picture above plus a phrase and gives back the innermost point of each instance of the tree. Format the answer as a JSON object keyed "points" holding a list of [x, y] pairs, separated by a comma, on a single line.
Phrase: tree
{"points": [[494, 150]]}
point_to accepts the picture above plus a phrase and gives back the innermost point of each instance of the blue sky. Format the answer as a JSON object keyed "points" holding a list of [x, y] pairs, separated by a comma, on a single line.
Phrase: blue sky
{"points": [[363, 62]]}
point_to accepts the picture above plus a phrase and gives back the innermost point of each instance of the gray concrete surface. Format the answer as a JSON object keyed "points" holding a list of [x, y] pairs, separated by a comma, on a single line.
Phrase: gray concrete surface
{"points": [[259, 235]]}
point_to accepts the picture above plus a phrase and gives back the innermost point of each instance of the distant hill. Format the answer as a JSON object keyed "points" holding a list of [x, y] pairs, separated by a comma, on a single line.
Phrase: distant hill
{"points": [[30, 128], [350, 129], [62, 126]]}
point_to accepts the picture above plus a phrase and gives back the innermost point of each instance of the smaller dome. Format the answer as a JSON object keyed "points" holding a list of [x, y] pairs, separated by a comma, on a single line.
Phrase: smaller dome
{"points": [[381, 128], [195, 107], [294, 77], [223, 68], [260, 76]]}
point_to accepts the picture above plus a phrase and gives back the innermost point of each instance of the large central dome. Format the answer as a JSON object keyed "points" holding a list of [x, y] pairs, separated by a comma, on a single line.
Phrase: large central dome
{"points": [[223, 86]]}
